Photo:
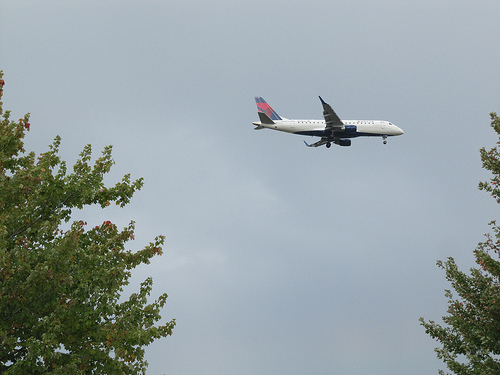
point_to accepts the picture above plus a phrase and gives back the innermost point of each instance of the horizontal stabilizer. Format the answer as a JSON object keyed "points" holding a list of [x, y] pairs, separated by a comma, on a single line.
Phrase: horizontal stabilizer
{"points": [[258, 127]]}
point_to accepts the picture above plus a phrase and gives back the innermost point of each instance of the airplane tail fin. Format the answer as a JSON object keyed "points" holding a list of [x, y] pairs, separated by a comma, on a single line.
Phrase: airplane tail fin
{"points": [[264, 119], [266, 109]]}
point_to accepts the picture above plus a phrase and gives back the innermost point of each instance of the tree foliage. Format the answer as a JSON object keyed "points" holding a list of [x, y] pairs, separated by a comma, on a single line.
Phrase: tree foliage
{"points": [[61, 281], [470, 341]]}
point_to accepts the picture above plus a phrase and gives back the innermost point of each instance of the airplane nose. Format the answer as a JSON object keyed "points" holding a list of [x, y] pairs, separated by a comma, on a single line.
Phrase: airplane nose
{"points": [[400, 131]]}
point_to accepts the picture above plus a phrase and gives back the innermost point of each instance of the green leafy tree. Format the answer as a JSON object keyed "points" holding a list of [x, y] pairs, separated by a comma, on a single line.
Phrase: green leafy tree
{"points": [[470, 341], [61, 282]]}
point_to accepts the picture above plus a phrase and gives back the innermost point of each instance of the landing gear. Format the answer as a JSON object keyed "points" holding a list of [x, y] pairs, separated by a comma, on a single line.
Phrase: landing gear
{"points": [[384, 137], [328, 145]]}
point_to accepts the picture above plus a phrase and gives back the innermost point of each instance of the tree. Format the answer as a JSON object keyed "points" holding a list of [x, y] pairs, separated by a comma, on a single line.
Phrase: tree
{"points": [[470, 343], [61, 282]]}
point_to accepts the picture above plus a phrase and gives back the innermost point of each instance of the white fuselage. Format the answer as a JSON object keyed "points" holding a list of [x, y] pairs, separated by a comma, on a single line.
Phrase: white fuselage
{"points": [[317, 127]]}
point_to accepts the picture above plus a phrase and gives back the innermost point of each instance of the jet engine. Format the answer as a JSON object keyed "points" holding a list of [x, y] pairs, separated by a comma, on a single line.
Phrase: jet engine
{"points": [[344, 142]]}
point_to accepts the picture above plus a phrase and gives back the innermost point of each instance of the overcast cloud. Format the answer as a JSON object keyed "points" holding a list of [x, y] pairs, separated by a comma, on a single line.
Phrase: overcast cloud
{"points": [[279, 259]]}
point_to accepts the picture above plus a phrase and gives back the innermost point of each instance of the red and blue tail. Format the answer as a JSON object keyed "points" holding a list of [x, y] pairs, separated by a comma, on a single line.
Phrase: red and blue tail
{"points": [[263, 107]]}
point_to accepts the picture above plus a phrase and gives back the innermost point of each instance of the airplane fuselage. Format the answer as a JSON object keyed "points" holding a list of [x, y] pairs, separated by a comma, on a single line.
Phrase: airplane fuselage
{"points": [[352, 128]]}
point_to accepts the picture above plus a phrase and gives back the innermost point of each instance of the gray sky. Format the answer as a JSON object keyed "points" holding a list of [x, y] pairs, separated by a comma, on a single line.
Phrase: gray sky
{"points": [[279, 259]]}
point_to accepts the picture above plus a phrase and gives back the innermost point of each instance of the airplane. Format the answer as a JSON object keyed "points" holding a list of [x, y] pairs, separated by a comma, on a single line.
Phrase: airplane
{"points": [[331, 130]]}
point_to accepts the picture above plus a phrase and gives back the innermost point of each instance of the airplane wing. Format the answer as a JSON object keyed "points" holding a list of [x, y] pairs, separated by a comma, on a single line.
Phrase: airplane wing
{"points": [[333, 122], [321, 142]]}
